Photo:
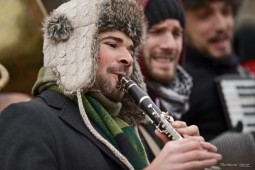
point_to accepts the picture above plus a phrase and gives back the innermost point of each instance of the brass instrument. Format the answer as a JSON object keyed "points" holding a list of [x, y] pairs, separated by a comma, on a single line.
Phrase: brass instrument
{"points": [[4, 76], [21, 43]]}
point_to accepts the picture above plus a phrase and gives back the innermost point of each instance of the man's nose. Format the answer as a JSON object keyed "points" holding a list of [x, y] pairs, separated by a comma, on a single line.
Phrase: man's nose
{"points": [[125, 58], [220, 21], [168, 42]]}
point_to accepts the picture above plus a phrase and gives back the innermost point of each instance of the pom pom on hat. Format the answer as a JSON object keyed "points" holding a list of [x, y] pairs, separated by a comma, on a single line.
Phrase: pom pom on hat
{"points": [[58, 28]]}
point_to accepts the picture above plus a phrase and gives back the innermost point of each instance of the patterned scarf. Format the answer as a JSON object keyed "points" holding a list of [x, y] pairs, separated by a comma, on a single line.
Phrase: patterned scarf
{"points": [[118, 133], [174, 96]]}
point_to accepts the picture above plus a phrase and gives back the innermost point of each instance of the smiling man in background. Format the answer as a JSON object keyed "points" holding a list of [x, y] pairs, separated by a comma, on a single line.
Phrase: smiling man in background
{"points": [[209, 36]]}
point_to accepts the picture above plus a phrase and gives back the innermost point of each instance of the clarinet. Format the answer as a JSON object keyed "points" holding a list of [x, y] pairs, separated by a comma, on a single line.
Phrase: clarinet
{"points": [[161, 120]]}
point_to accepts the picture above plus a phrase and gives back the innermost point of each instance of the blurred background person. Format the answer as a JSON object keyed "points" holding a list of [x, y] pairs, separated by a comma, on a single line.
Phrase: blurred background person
{"points": [[169, 85], [209, 54], [167, 82]]}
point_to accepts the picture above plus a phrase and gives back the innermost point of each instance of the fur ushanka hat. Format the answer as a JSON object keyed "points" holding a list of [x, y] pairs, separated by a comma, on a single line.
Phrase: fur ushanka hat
{"points": [[71, 33], [71, 44]]}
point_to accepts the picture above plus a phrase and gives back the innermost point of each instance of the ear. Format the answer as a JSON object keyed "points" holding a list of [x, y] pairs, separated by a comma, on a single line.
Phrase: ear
{"points": [[57, 27]]}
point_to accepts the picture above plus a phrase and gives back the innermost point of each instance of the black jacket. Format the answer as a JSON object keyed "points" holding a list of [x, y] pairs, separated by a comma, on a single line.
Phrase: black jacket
{"points": [[48, 133], [206, 110]]}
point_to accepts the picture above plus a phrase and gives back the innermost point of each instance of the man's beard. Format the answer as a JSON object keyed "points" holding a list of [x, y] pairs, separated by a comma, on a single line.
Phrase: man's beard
{"points": [[108, 89], [222, 35], [165, 78]]}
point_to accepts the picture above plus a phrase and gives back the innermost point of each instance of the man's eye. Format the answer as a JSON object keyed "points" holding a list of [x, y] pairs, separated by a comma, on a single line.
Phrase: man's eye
{"points": [[227, 11], [177, 34], [113, 45], [204, 15], [156, 31]]}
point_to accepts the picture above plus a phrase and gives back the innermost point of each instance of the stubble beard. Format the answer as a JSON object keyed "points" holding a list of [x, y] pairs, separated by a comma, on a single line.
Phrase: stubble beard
{"points": [[108, 89], [211, 52], [164, 78]]}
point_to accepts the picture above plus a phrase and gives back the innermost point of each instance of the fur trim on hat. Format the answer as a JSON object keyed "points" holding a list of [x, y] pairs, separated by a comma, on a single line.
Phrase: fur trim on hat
{"points": [[114, 17]]}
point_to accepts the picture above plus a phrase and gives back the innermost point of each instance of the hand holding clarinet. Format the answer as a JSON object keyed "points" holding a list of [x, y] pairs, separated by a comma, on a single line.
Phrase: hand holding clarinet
{"points": [[184, 148]]}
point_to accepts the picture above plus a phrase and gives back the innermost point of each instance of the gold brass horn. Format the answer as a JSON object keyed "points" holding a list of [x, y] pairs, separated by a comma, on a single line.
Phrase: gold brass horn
{"points": [[21, 43], [4, 76]]}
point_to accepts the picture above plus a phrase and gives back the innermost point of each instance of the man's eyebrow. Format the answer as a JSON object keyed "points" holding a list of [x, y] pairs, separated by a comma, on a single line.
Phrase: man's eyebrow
{"points": [[119, 40], [179, 28], [114, 38], [176, 27]]}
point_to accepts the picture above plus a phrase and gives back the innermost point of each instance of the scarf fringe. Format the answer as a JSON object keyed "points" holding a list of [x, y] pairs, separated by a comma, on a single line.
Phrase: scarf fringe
{"points": [[85, 118]]}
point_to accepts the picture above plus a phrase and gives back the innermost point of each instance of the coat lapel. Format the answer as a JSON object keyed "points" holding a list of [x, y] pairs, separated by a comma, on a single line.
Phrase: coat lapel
{"points": [[70, 114]]}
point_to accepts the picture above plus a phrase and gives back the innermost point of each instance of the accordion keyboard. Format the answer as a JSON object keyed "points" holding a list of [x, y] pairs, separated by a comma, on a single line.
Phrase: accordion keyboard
{"points": [[238, 97]]}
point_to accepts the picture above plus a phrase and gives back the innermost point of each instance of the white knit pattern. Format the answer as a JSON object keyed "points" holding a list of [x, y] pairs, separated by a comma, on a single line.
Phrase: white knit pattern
{"points": [[85, 118], [74, 57]]}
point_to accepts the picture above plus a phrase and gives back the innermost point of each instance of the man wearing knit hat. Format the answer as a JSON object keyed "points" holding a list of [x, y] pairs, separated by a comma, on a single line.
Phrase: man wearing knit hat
{"points": [[79, 118], [167, 82]]}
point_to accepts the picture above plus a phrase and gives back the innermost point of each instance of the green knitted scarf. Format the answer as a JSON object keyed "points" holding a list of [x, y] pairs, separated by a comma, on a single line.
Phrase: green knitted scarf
{"points": [[99, 110]]}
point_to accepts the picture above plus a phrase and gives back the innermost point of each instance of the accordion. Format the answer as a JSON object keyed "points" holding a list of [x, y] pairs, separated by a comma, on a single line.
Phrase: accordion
{"points": [[238, 99]]}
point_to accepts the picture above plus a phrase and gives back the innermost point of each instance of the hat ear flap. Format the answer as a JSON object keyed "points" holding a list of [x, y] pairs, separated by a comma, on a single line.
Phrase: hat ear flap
{"points": [[58, 27]]}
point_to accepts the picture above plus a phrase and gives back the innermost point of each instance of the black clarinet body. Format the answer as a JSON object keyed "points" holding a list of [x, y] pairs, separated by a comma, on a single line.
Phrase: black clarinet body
{"points": [[161, 120]]}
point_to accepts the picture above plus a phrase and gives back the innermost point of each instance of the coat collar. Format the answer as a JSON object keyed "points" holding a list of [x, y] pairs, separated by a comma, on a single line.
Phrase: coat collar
{"points": [[70, 114]]}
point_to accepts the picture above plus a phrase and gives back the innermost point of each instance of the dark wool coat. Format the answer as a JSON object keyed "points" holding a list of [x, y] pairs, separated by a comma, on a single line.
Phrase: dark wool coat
{"points": [[48, 133], [206, 110]]}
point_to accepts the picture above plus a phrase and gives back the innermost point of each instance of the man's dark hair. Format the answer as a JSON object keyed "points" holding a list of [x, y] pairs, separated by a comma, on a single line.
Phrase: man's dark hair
{"points": [[192, 4]]}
